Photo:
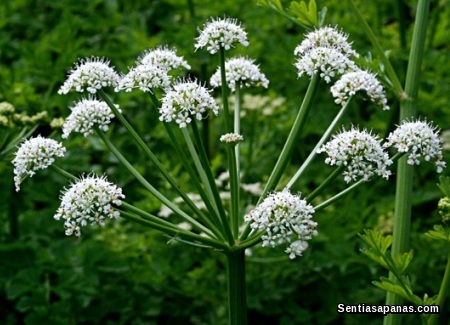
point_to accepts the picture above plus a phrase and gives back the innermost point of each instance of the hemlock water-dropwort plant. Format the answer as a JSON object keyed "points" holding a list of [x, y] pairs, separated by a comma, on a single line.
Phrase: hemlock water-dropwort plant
{"points": [[279, 217]]}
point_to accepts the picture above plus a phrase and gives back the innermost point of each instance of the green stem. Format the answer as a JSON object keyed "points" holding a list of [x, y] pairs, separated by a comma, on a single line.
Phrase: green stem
{"points": [[176, 233], [236, 287], [151, 155], [226, 115], [193, 176], [293, 137], [234, 189], [443, 291], [285, 155], [397, 86], [403, 200], [154, 191], [211, 181], [324, 138], [338, 196], [325, 183]]}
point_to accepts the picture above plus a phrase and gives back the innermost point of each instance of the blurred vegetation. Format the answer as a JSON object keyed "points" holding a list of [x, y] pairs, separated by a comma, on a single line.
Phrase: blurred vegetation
{"points": [[124, 274]]}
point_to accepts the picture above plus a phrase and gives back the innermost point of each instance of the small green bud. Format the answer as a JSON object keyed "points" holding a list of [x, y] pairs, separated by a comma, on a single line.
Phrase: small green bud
{"points": [[57, 123], [444, 208]]}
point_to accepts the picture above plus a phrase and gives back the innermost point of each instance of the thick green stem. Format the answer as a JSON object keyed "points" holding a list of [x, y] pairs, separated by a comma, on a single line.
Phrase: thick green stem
{"points": [[443, 291], [237, 301], [234, 189], [324, 138], [235, 179], [402, 216]]}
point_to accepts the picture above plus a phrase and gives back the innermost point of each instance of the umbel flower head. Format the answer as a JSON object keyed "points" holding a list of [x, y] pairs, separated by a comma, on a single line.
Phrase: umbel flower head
{"points": [[89, 200], [285, 218], [241, 70], [419, 140], [152, 70], [231, 138], [352, 82], [219, 33], [164, 58], [185, 100], [360, 152], [324, 51], [34, 154], [90, 74], [87, 113]]}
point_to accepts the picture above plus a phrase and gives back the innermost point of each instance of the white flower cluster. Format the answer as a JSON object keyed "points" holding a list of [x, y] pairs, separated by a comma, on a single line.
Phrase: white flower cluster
{"points": [[285, 218], [152, 70], [34, 154], [221, 33], [240, 69], [89, 200], [164, 58], [324, 51], [184, 100], [360, 152], [91, 74], [352, 82], [231, 138], [85, 114], [419, 140]]}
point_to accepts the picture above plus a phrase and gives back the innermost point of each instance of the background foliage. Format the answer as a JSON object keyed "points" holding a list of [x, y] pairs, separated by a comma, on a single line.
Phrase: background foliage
{"points": [[124, 274]]}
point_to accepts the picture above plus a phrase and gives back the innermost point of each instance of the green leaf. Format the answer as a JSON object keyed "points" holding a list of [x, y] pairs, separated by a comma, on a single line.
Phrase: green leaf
{"points": [[402, 261], [444, 185], [397, 289], [439, 233]]}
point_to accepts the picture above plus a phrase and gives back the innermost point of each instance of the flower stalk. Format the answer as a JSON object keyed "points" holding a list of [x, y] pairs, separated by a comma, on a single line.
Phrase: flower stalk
{"points": [[403, 198]]}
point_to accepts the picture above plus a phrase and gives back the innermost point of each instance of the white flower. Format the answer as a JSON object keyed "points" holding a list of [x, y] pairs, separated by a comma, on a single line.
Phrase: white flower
{"points": [[241, 70], [85, 115], [89, 200], [164, 58], [231, 138], [185, 100], [144, 77], [221, 33], [34, 154], [419, 140], [324, 51], [352, 82], [285, 218], [360, 152], [152, 70], [326, 61], [326, 37], [90, 74]]}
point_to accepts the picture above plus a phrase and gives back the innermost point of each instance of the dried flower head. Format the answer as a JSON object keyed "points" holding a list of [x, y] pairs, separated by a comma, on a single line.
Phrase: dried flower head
{"points": [[87, 113], [221, 33], [360, 152], [89, 200], [34, 154], [241, 70], [90, 74], [152, 70], [352, 82], [419, 140], [324, 51], [285, 218], [185, 100]]}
